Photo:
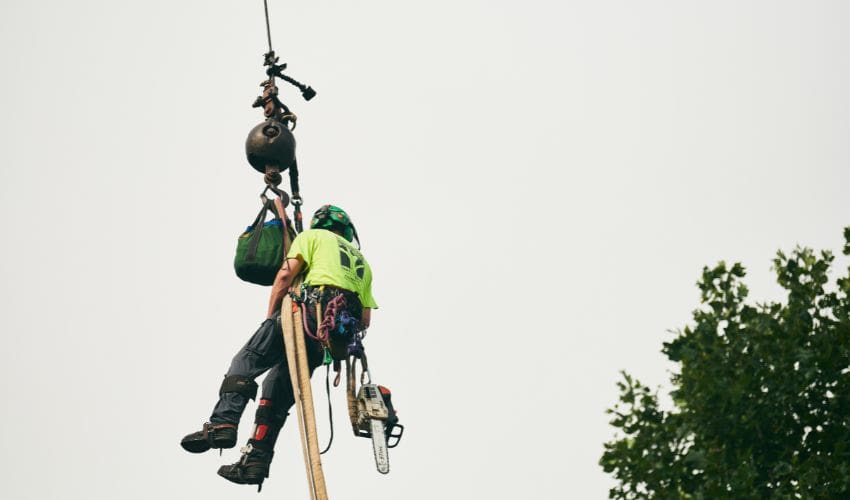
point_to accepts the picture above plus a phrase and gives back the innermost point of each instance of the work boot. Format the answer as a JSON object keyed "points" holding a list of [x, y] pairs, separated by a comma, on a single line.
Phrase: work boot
{"points": [[252, 468], [211, 436]]}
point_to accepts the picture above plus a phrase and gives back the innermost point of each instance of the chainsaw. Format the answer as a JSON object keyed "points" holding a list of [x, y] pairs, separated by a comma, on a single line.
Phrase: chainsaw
{"points": [[377, 419]]}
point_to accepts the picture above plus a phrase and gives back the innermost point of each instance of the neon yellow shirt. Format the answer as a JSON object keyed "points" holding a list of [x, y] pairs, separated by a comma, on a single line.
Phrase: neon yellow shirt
{"points": [[331, 260]]}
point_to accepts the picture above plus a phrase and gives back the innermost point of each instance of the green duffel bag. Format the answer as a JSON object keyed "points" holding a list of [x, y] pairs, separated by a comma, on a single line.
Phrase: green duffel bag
{"points": [[260, 249]]}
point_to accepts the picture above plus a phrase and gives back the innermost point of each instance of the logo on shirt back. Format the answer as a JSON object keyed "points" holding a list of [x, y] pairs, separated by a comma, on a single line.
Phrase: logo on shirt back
{"points": [[347, 255]]}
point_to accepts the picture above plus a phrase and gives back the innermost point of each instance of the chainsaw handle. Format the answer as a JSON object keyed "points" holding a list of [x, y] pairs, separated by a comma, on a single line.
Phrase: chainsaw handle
{"points": [[391, 434]]}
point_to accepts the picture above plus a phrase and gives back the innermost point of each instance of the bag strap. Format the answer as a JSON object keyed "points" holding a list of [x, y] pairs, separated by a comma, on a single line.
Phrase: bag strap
{"points": [[254, 242], [277, 206]]}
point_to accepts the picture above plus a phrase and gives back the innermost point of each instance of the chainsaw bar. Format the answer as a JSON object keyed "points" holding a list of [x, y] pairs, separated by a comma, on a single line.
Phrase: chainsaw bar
{"points": [[379, 446], [372, 416]]}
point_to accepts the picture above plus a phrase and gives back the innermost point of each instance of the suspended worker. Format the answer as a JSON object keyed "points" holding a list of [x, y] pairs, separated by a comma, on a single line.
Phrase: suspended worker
{"points": [[338, 277]]}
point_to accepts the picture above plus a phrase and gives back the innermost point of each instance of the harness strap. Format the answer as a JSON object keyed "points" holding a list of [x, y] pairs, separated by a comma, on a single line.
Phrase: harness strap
{"points": [[351, 392], [296, 196], [337, 368], [320, 319], [330, 409], [325, 319]]}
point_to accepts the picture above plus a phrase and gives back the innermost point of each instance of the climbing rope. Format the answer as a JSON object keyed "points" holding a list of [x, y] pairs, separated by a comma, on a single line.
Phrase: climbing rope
{"points": [[334, 307], [326, 320]]}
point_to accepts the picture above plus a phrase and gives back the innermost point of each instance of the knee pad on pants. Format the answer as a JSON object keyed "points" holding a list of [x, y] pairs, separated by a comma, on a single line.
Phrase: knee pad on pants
{"points": [[239, 384]]}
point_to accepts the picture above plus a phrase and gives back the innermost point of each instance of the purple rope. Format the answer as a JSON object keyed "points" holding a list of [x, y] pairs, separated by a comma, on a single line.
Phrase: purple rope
{"points": [[330, 313], [304, 321], [328, 322]]}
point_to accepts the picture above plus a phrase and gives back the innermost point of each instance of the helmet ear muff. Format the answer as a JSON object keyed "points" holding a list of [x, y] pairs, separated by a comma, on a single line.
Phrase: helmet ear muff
{"points": [[321, 215]]}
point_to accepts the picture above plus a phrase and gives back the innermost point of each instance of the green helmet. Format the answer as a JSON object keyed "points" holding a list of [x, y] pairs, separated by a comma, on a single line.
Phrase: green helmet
{"points": [[333, 217]]}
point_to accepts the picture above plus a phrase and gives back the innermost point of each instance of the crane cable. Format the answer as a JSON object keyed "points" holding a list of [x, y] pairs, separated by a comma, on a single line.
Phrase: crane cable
{"points": [[268, 29], [273, 179]]}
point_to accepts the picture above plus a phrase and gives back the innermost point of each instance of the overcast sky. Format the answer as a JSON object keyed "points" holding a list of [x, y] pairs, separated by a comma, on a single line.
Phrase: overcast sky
{"points": [[537, 186]]}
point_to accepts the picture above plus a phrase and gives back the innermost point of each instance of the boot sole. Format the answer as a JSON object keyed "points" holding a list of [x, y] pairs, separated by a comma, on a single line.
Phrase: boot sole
{"points": [[226, 471], [195, 446], [202, 445]]}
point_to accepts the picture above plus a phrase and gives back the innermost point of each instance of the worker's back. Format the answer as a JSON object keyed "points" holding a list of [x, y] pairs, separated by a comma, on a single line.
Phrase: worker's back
{"points": [[331, 260]]}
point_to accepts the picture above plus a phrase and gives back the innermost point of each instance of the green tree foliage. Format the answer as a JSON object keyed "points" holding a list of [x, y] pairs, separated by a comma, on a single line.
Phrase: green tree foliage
{"points": [[761, 395]]}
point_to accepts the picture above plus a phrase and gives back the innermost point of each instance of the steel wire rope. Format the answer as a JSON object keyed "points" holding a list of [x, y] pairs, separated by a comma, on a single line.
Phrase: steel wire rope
{"points": [[268, 28]]}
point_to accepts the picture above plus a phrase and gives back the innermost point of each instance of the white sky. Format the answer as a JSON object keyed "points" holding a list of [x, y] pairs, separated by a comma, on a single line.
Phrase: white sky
{"points": [[537, 186]]}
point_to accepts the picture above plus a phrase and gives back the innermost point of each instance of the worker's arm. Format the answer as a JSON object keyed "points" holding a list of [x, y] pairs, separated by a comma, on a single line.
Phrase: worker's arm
{"points": [[366, 318], [282, 282]]}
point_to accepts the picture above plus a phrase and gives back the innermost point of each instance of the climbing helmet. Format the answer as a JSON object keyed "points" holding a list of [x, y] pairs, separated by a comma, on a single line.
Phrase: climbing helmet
{"points": [[329, 217]]}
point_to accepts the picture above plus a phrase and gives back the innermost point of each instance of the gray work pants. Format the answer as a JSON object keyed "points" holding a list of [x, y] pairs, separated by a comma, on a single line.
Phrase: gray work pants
{"points": [[265, 352]]}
